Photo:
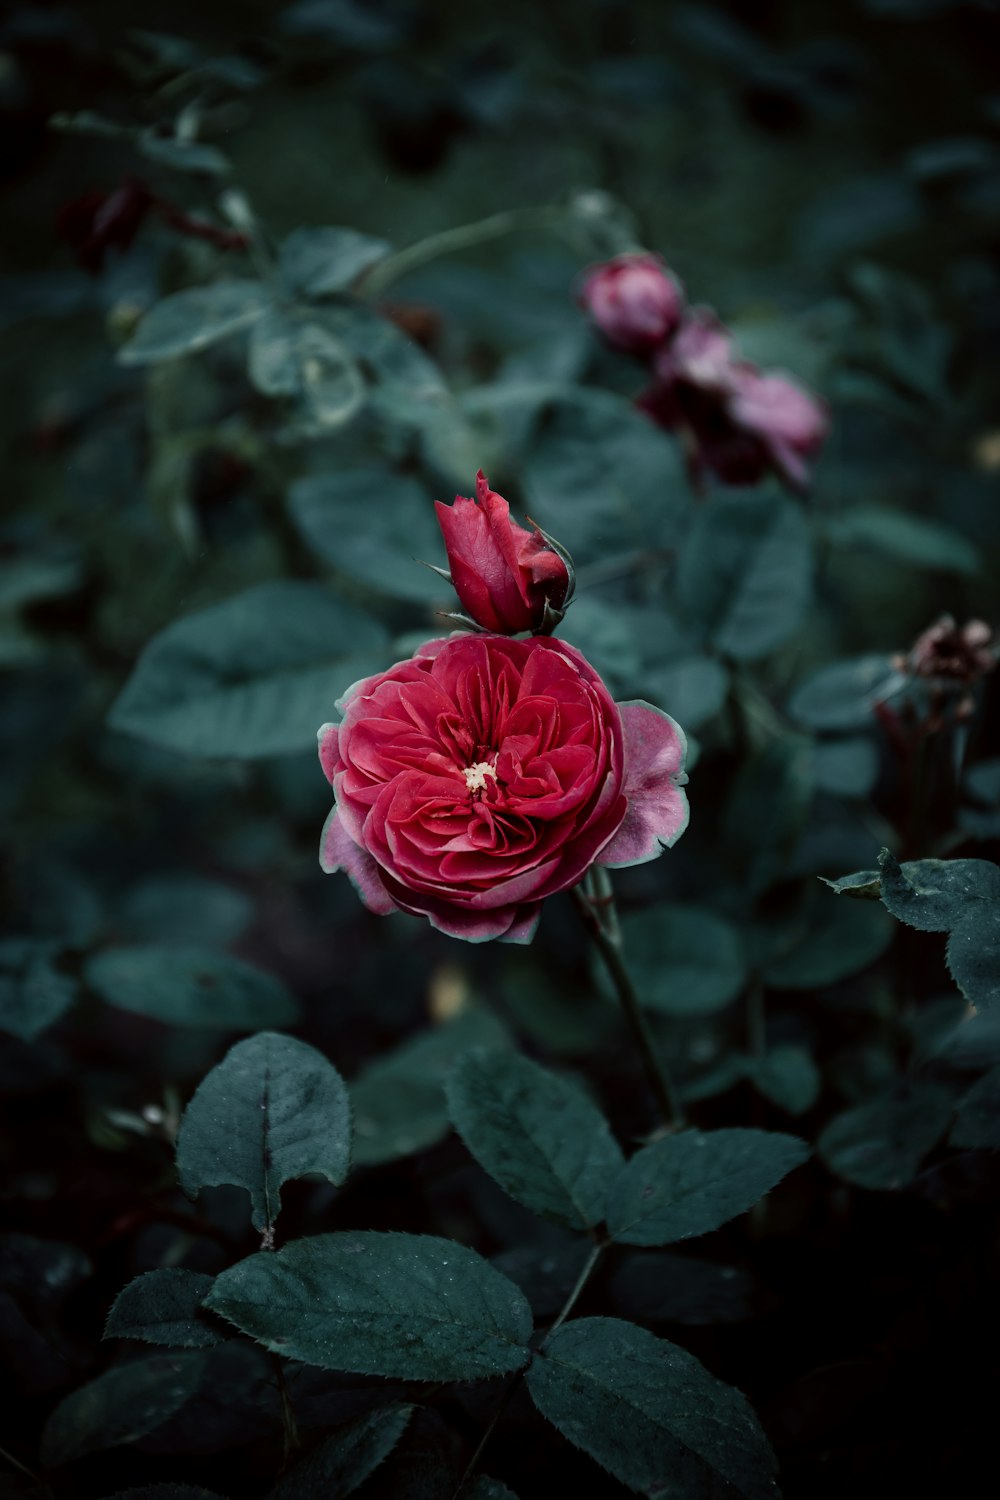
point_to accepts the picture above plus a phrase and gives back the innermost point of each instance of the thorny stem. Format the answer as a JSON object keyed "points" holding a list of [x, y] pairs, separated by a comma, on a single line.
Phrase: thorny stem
{"points": [[597, 909], [587, 1270]]}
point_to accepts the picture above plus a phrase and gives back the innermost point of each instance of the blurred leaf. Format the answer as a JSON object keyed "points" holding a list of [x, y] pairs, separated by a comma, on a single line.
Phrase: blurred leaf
{"points": [[536, 1134], [646, 1409], [318, 262], [194, 319], [272, 1111], [843, 695], [167, 1491], [977, 1120], [122, 1405], [766, 810], [602, 478], [184, 908], [406, 1306], [823, 941], [857, 214], [664, 1286], [340, 1463], [846, 766], [349, 23], [912, 539], [252, 676], [692, 690], [33, 993], [881, 1145], [482, 1487], [689, 1184], [745, 573], [163, 1307], [982, 781], [398, 1100], [685, 960], [788, 1077], [398, 533], [294, 357], [902, 337], [184, 156], [190, 986]]}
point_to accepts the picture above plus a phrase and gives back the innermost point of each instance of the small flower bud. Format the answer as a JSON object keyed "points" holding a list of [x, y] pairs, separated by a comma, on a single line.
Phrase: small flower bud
{"points": [[634, 301]]}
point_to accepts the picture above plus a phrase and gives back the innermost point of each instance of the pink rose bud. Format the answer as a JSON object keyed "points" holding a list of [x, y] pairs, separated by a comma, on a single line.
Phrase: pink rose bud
{"points": [[507, 578], [790, 424], [634, 301]]}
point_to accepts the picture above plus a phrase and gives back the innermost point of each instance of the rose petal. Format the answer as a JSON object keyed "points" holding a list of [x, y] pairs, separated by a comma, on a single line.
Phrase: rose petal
{"points": [[329, 754], [657, 811], [337, 851]]}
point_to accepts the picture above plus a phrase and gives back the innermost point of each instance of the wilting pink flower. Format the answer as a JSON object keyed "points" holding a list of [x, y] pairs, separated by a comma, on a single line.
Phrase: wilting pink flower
{"points": [[97, 222], [634, 301], [485, 774], [504, 576], [738, 421]]}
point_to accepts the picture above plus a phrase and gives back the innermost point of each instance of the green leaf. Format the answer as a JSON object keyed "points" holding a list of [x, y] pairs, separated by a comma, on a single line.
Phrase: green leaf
{"points": [[399, 1104], [122, 1405], [982, 781], [973, 955], [406, 1306], [935, 895], [788, 1077], [864, 885], [482, 1487], [692, 689], [881, 1145], [538, 1135], [400, 530], [166, 1491], [689, 1184], [319, 262], [843, 695], [296, 357], [846, 766], [341, 1463], [188, 986], [685, 960], [273, 1110], [745, 573], [766, 809], [912, 539], [193, 320], [184, 909], [977, 1119], [33, 993], [823, 942], [597, 472], [183, 156], [650, 1413], [163, 1307], [253, 676]]}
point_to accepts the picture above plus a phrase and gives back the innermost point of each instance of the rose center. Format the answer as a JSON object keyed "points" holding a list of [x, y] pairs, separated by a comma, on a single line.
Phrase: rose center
{"points": [[476, 774]]}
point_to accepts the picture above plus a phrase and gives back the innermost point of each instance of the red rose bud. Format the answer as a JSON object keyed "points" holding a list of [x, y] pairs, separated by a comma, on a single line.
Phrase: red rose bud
{"points": [[507, 578], [634, 301], [98, 222]]}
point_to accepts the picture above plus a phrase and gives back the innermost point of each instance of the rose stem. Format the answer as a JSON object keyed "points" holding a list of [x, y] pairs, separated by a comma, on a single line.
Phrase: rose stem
{"points": [[587, 1270], [600, 919]]}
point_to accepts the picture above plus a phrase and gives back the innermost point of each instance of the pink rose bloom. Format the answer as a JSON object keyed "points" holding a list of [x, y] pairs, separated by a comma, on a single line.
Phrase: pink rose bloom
{"points": [[487, 773], [504, 576], [634, 301], [739, 422]]}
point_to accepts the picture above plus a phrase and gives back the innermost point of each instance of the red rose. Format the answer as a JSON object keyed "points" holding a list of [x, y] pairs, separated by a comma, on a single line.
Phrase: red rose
{"points": [[634, 301], [488, 773], [505, 576]]}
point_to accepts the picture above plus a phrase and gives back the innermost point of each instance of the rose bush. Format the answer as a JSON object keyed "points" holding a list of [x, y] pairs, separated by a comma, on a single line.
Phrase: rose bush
{"points": [[486, 774]]}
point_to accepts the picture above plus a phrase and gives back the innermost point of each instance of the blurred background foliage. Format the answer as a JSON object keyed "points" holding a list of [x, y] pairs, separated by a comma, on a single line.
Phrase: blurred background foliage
{"points": [[828, 178]]}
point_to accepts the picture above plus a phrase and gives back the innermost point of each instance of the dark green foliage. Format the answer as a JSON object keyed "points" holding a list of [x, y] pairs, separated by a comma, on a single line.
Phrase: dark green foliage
{"points": [[692, 1183], [881, 1145], [272, 1110], [190, 987], [649, 1413], [687, 960], [164, 1307], [410, 1306], [122, 1405], [33, 993], [977, 1119], [341, 1463], [536, 1134]]}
